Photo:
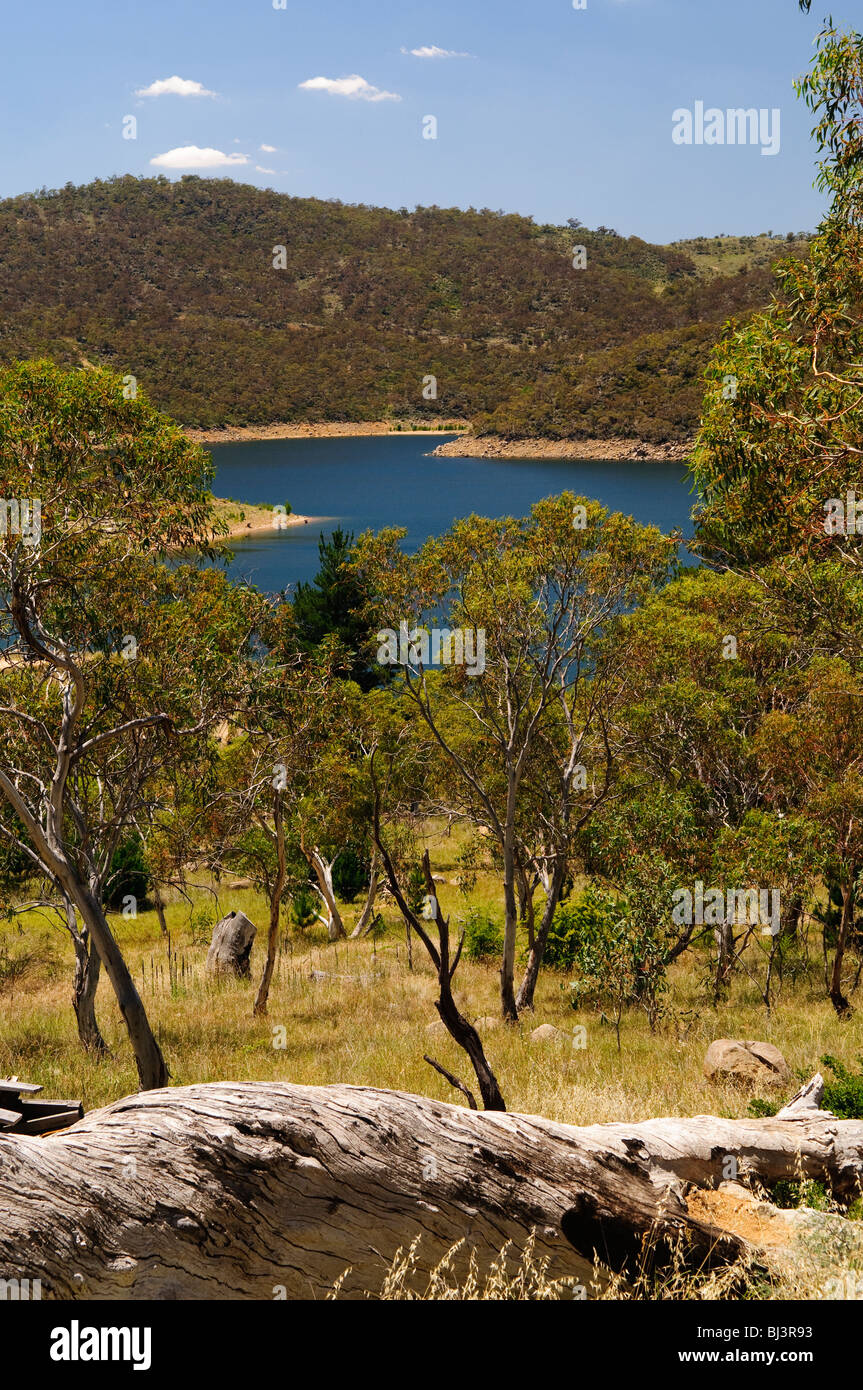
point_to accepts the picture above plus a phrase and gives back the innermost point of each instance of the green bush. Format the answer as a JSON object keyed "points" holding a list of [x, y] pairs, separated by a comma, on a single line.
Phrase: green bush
{"points": [[129, 875], [304, 907], [483, 937], [350, 873], [576, 925], [844, 1096], [791, 1195]]}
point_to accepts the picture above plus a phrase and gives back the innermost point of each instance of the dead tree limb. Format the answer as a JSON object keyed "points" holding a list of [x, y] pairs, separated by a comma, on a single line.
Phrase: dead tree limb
{"points": [[238, 1191], [462, 1031]]}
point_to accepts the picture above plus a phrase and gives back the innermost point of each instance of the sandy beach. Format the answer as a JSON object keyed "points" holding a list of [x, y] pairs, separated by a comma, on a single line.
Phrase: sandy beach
{"points": [[249, 519]]}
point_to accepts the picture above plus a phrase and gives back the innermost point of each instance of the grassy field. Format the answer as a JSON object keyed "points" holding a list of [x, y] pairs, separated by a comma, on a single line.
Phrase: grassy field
{"points": [[368, 1022]]}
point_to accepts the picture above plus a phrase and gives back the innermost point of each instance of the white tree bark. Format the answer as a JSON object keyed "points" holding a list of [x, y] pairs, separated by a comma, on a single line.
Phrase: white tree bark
{"points": [[324, 874], [238, 1191], [366, 917]]}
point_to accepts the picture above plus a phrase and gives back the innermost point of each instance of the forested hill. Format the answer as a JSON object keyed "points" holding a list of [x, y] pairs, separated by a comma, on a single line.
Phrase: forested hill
{"points": [[175, 284]]}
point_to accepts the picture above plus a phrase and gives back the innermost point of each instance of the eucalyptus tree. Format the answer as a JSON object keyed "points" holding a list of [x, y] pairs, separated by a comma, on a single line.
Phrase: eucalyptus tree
{"points": [[113, 663], [777, 459], [744, 727], [523, 680], [282, 735]]}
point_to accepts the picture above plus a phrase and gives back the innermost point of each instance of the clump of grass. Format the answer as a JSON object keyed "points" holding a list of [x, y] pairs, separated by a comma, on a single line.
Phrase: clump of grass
{"points": [[21, 961], [511, 1277]]}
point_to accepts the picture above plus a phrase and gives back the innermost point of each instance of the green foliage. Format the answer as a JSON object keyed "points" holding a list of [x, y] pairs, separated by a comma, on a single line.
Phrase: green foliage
{"points": [[763, 1109], [483, 937], [201, 923], [332, 606], [350, 873], [577, 925], [782, 425], [416, 890], [844, 1096], [129, 875], [791, 1195], [620, 960], [304, 907]]}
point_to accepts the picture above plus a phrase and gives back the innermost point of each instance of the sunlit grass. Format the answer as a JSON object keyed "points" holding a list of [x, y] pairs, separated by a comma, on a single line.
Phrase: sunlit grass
{"points": [[368, 1023]]}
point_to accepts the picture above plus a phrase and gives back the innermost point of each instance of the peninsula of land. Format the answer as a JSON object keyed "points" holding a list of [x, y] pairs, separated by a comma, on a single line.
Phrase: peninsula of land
{"points": [[493, 446]]}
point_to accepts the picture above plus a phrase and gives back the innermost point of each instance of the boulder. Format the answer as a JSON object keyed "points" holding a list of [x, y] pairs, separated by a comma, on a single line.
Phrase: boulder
{"points": [[546, 1032], [752, 1063], [231, 946], [488, 1021]]}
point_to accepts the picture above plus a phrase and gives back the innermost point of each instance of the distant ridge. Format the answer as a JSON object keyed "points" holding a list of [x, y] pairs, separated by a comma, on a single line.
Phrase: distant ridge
{"points": [[174, 283]]}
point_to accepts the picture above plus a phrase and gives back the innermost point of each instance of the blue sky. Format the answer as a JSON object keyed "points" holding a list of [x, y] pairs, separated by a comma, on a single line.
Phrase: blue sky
{"points": [[553, 112]]}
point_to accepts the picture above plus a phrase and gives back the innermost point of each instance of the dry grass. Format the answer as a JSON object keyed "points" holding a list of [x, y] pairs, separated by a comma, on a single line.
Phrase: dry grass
{"points": [[368, 1023]]}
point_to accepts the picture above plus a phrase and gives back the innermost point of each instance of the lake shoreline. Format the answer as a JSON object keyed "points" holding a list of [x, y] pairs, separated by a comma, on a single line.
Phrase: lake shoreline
{"points": [[339, 429], [256, 518], [491, 446], [590, 450]]}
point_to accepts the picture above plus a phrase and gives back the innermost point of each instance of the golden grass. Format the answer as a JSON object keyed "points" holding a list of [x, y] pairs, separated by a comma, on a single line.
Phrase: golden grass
{"points": [[368, 1022]]}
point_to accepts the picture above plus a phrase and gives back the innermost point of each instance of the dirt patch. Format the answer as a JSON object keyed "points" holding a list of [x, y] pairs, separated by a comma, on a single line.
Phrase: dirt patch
{"points": [[735, 1209]]}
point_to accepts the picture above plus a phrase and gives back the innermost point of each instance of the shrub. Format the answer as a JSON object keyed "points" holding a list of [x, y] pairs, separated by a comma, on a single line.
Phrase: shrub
{"points": [[619, 957], [350, 873], [201, 923], [576, 925], [483, 937], [844, 1096], [304, 907], [129, 875], [416, 890]]}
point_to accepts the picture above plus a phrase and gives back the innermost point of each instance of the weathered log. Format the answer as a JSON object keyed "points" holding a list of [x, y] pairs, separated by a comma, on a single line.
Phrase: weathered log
{"points": [[231, 946], [237, 1191]]}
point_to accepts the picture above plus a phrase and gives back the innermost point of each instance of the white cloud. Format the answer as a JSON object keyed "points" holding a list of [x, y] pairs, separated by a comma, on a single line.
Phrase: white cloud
{"points": [[175, 87], [268, 149], [354, 86], [193, 157], [431, 50], [261, 170]]}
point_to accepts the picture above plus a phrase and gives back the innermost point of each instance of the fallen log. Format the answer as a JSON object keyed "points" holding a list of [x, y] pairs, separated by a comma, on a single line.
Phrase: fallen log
{"points": [[237, 1191]]}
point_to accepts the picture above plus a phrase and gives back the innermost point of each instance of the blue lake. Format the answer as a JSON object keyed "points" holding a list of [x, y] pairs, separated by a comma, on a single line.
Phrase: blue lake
{"points": [[376, 481]]}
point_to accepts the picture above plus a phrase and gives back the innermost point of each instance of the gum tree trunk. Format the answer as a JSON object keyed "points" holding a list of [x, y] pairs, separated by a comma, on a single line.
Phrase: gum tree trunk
{"points": [[274, 1190]]}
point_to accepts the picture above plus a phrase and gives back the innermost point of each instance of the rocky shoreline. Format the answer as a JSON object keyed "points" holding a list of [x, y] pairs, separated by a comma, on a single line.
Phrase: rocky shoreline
{"points": [[496, 447]]}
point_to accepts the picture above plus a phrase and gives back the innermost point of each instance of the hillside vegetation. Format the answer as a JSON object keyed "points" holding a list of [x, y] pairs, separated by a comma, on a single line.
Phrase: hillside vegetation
{"points": [[174, 284]]}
